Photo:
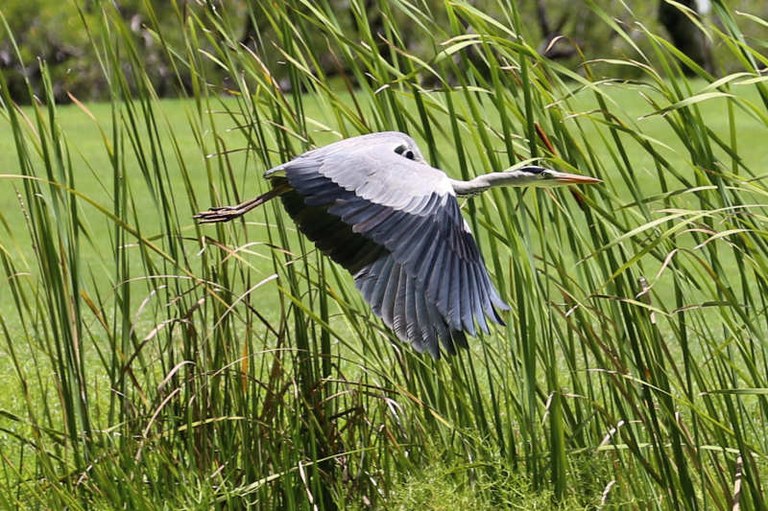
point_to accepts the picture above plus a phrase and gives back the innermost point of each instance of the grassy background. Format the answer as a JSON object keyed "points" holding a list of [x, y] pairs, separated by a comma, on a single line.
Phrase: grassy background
{"points": [[90, 158], [152, 361]]}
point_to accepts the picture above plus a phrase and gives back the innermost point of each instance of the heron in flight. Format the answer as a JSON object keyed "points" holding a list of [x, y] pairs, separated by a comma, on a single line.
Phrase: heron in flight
{"points": [[376, 207]]}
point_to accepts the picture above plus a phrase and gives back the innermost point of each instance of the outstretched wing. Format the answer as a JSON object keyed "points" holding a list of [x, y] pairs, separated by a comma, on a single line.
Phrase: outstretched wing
{"points": [[395, 224]]}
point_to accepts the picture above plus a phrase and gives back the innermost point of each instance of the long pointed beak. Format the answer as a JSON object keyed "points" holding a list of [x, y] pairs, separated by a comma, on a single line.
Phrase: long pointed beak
{"points": [[573, 179]]}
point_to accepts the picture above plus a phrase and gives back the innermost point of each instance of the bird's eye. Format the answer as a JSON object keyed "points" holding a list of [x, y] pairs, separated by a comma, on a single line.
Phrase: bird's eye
{"points": [[403, 150]]}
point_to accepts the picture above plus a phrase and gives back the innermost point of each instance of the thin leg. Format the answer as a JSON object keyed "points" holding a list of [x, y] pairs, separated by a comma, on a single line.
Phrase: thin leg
{"points": [[227, 213]]}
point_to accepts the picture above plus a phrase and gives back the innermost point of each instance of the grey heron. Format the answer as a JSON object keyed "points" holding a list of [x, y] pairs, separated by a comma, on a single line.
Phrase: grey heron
{"points": [[376, 207]]}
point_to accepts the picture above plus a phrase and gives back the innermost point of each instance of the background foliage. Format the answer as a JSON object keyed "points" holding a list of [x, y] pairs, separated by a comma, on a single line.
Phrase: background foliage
{"points": [[150, 361], [43, 30]]}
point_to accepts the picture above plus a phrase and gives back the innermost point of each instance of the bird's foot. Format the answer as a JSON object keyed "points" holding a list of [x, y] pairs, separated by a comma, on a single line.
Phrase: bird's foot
{"points": [[218, 214]]}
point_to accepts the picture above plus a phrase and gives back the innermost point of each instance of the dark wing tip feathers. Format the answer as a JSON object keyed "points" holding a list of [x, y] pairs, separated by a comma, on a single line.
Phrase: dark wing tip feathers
{"points": [[404, 306]]}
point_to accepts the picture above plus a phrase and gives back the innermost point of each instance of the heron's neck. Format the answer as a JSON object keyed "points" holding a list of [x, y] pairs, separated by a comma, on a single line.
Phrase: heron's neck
{"points": [[487, 181]]}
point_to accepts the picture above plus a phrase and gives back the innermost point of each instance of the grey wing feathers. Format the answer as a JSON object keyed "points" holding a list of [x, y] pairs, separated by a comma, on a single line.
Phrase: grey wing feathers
{"points": [[401, 301], [405, 241]]}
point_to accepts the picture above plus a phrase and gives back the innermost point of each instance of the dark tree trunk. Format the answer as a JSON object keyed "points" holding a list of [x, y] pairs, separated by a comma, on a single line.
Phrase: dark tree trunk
{"points": [[553, 45], [685, 35]]}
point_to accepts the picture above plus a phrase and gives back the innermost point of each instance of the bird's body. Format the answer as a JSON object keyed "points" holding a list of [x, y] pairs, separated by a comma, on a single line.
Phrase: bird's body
{"points": [[377, 208]]}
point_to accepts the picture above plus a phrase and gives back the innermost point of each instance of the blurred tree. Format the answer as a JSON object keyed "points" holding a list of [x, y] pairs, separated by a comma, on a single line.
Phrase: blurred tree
{"points": [[46, 33], [568, 31]]}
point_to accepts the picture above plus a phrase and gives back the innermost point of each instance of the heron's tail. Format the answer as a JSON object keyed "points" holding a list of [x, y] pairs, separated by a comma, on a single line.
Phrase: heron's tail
{"points": [[227, 213]]}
